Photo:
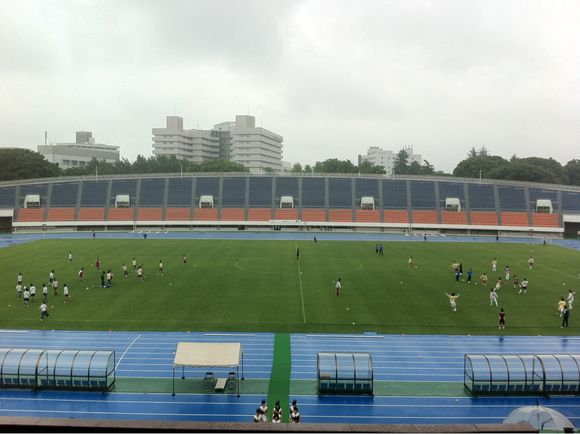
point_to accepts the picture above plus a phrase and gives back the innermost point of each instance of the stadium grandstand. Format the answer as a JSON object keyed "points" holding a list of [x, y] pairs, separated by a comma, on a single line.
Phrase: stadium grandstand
{"points": [[325, 202]]}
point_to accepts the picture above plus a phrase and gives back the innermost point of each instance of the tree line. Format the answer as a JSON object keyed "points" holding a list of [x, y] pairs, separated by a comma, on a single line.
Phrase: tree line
{"points": [[18, 163]]}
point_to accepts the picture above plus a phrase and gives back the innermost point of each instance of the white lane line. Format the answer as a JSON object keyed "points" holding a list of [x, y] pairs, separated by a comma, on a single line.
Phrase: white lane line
{"points": [[128, 348], [301, 291]]}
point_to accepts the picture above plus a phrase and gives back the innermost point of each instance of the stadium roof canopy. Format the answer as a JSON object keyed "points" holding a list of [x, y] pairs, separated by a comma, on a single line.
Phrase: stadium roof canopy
{"points": [[208, 355]]}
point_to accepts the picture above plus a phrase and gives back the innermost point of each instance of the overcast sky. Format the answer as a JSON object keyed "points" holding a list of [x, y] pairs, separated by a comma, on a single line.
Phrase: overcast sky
{"points": [[331, 77]]}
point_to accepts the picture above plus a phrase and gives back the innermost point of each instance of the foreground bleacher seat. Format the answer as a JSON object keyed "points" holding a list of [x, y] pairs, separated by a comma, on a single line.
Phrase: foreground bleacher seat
{"points": [[30, 215], [232, 214], [368, 216], [121, 214], [177, 214], [513, 218], [91, 214], [453, 217], [396, 216], [545, 220], [259, 214], [149, 214], [340, 215], [286, 214], [61, 214], [487, 218], [205, 214], [313, 215], [424, 216]]}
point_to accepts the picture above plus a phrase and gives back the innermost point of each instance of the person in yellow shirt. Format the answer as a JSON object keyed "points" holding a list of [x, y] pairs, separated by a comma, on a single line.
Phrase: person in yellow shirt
{"points": [[561, 306], [452, 301]]}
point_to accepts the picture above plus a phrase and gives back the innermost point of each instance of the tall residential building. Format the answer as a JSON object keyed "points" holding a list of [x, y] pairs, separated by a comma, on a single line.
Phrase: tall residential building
{"points": [[78, 154], [386, 159], [240, 141]]}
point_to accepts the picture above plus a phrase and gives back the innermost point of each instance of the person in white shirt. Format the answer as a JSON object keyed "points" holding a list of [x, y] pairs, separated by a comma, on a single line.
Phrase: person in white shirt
{"points": [[65, 292], [43, 311], [18, 290], [494, 265], [51, 276], [70, 256], [571, 295], [32, 291], [493, 298], [26, 296], [44, 292], [264, 409], [338, 287], [19, 278], [523, 286], [531, 262], [55, 286], [258, 417]]}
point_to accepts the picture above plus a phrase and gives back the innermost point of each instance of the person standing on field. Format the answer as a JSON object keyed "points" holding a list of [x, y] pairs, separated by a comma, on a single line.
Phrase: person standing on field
{"points": [[493, 298], [501, 319], [338, 287], [565, 316], [452, 300]]}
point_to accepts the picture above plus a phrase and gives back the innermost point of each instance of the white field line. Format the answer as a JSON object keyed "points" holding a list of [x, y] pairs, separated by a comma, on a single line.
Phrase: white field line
{"points": [[128, 348]]}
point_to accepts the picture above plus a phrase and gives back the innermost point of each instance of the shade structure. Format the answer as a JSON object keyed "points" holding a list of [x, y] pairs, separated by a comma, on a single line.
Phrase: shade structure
{"points": [[209, 355], [540, 417]]}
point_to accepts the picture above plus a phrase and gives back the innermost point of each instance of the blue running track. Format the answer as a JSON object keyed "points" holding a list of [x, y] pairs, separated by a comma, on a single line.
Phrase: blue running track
{"points": [[396, 358]]}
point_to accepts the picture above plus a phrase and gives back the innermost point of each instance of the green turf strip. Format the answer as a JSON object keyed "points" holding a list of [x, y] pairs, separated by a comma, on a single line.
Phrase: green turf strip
{"points": [[280, 379]]}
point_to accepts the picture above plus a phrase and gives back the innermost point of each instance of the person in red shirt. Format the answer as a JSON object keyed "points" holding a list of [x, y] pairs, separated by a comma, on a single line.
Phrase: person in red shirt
{"points": [[501, 319]]}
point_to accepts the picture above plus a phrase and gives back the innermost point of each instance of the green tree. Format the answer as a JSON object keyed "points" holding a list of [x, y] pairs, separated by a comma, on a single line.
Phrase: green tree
{"points": [[486, 165], [219, 166], [18, 163], [307, 169], [572, 169], [334, 165], [368, 167], [296, 168], [401, 164]]}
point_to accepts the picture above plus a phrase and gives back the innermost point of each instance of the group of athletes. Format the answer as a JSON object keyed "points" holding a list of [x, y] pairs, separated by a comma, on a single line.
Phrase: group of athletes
{"points": [[564, 305]]}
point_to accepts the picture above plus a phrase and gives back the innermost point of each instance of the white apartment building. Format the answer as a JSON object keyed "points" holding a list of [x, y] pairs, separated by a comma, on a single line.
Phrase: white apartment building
{"points": [[78, 154], [240, 141], [386, 159]]}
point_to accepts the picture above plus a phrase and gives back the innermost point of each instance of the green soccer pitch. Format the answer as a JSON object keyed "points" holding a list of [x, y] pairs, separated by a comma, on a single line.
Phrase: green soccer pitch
{"points": [[261, 286]]}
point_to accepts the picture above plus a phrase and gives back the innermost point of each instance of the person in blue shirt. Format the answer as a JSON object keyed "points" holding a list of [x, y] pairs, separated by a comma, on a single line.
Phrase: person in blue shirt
{"points": [[469, 275]]}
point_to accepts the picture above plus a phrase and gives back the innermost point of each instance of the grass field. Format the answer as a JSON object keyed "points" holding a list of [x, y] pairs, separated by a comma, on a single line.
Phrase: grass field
{"points": [[260, 286]]}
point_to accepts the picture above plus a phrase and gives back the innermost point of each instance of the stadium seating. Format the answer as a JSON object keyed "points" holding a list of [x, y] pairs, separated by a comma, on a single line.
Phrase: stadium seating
{"points": [[340, 215], [7, 197], [511, 218], [94, 193], [149, 214], [152, 192], [30, 215], [64, 194], [339, 194], [512, 199], [395, 194], [121, 214], [61, 214], [395, 216], [177, 214], [91, 214], [313, 215], [207, 186], [484, 218], [234, 194], [570, 201], [366, 187], [453, 217], [424, 216], [451, 189], [178, 194], [259, 214], [364, 216], [232, 214], [205, 214], [313, 193], [260, 193], [545, 220], [423, 196], [481, 197], [286, 214]]}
